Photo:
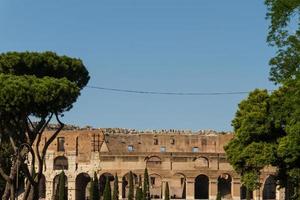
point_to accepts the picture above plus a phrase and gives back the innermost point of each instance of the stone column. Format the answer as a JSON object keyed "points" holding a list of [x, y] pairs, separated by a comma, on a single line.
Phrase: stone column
{"points": [[236, 189], [213, 188], [258, 194], [120, 187], [49, 189], [71, 188], [190, 188]]}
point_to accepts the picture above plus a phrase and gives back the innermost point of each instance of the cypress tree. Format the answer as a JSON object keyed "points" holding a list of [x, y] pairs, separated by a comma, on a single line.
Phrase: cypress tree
{"points": [[146, 190], [116, 188], [61, 187], [92, 189], [219, 196], [107, 190], [96, 194], [131, 190], [139, 193], [167, 193]]}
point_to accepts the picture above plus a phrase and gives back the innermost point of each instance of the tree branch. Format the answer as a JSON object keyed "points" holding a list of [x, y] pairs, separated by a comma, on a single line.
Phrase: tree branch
{"points": [[52, 137], [3, 174]]}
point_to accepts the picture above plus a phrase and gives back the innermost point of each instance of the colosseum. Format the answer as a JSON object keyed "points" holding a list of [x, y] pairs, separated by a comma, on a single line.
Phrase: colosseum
{"points": [[193, 163]]}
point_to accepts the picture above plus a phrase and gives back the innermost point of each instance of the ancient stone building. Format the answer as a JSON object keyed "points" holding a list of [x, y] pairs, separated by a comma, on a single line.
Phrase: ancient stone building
{"points": [[193, 164]]}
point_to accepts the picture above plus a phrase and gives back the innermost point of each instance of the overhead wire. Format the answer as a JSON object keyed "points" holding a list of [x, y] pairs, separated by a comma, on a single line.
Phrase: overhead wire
{"points": [[168, 93]]}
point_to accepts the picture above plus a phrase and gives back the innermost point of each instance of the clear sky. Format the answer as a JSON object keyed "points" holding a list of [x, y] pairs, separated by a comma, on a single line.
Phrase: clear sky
{"points": [[157, 45]]}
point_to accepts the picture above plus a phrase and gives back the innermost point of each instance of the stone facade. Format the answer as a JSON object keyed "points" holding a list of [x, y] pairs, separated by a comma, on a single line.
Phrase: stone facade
{"points": [[193, 164]]}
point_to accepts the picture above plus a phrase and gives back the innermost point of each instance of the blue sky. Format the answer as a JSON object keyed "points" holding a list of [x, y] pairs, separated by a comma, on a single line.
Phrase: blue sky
{"points": [[157, 45]]}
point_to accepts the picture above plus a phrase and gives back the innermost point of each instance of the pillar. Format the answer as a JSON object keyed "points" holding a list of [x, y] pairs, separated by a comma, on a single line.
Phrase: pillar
{"points": [[190, 188], [71, 188], [120, 188], [213, 188], [236, 189]]}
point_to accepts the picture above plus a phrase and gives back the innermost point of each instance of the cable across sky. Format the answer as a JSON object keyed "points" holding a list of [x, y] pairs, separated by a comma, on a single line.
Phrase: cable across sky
{"points": [[169, 93]]}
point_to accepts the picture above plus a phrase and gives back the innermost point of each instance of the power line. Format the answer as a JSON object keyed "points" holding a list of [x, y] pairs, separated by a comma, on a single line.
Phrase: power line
{"points": [[168, 93]]}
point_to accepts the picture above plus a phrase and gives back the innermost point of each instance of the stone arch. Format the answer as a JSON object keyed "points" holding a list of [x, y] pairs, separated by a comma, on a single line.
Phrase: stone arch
{"points": [[81, 183], [60, 163], [243, 193], [201, 187], [42, 187], [153, 161], [125, 183], [102, 181], [201, 162], [224, 186], [178, 186], [269, 190], [155, 186], [56, 186]]}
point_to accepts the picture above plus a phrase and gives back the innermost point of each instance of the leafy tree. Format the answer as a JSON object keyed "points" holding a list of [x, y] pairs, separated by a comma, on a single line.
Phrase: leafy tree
{"points": [[146, 189], [116, 188], [107, 190], [252, 148], [38, 86], [167, 193], [62, 193], [284, 14], [131, 189]]}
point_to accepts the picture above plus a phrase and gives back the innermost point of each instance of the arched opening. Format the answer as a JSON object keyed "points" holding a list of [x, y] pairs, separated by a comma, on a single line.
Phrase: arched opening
{"points": [[201, 187], [42, 187], [178, 187], [153, 162], [102, 181], [201, 162], [60, 163], [269, 191], [224, 186], [125, 184], [81, 183], [243, 192], [155, 186], [56, 187]]}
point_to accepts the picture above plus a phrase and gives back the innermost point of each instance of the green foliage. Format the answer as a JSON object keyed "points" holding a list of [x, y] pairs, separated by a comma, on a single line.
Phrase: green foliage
{"points": [[146, 189], [96, 193], [167, 193], [284, 33], [116, 188], [62, 193], [139, 193], [218, 196], [45, 64], [91, 189], [107, 190], [5, 155], [131, 189]]}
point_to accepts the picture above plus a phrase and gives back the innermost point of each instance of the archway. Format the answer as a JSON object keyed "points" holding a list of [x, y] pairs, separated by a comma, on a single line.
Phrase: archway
{"points": [[153, 162], [201, 187], [243, 192], [155, 186], [125, 183], [56, 187], [60, 163], [102, 181], [178, 186], [42, 187], [269, 191], [81, 183], [224, 186]]}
